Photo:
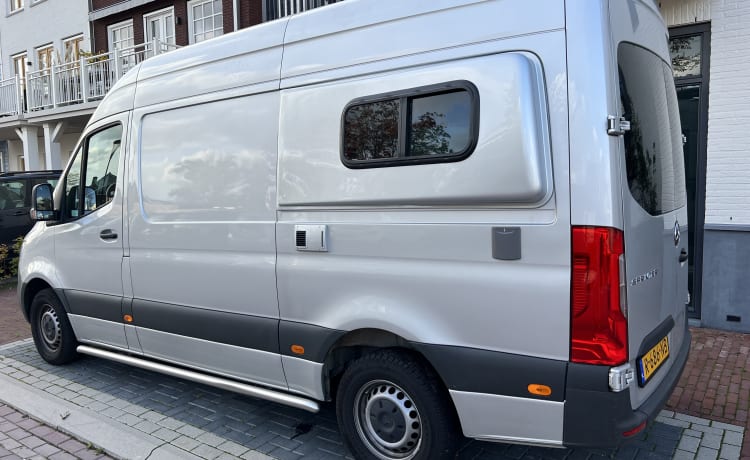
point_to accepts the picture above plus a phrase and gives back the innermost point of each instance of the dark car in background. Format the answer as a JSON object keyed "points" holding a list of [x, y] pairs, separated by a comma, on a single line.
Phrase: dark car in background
{"points": [[15, 201]]}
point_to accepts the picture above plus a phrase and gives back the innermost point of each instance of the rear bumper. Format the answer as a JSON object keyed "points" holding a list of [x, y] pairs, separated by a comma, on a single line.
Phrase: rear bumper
{"points": [[596, 416]]}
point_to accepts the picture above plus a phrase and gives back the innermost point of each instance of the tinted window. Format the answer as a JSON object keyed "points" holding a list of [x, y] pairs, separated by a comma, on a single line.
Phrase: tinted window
{"points": [[653, 146], [423, 125], [440, 125], [12, 194]]}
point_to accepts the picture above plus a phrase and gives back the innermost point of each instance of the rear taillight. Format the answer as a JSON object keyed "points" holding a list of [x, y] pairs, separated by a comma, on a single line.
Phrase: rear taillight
{"points": [[598, 326]]}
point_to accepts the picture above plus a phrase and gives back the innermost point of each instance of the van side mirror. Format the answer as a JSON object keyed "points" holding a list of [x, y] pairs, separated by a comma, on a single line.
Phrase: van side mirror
{"points": [[42, 204]]}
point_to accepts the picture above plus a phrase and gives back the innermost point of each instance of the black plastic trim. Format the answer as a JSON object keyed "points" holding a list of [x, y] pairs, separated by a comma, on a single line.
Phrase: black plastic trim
{"points": [[403, 96], [94, 305], [656, 335], [492, 372], [597, 417], [236, 329], [316, 340]]}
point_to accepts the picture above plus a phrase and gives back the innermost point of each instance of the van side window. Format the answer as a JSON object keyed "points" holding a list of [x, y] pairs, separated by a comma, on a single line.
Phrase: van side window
{"points": [[423, 125], [90, 182]]}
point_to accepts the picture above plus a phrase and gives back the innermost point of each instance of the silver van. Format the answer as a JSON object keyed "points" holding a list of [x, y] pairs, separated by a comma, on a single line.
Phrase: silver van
{"points": [[449, 217]]}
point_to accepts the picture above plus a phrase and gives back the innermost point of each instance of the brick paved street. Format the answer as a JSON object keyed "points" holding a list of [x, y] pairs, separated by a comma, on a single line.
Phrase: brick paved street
{"points": [[12, 324], [164, 417], [716, 380]]}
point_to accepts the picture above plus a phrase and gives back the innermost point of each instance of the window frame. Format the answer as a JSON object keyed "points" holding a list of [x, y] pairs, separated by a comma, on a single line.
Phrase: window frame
{"points": [[191, 20], [111, 43], [16, 5], [24, 57], [76, 41], [47, 51], [82, 149], [404, 112]]}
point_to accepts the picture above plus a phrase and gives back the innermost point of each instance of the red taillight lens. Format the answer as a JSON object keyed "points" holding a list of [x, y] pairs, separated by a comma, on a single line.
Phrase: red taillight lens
{"points": [[598, 327]]}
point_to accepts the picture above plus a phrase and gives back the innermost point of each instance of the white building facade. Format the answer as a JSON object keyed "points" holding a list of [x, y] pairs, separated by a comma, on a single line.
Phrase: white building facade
{"points": [[37, 36], [708, 41]]}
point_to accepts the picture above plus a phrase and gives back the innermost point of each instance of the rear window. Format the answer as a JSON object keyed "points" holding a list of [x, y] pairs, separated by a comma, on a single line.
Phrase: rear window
{"points": [[653, 146]]}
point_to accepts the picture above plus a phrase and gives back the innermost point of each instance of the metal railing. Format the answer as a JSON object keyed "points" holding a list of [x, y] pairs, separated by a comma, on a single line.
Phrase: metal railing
{"points": [[276, 9], [11, 98], [86, 80]]}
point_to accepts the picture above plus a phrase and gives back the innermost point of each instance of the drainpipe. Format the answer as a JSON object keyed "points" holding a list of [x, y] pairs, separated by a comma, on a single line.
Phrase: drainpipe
{"points": [[235, 12]]}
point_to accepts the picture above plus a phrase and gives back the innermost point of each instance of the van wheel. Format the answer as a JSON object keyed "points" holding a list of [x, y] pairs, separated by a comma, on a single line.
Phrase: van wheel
{"points": [[391, 406], [50, 327]]}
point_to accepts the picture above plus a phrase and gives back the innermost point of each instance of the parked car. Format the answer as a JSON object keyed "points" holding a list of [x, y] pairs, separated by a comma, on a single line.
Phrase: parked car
{"points": [[450, 217], [15, 201]]}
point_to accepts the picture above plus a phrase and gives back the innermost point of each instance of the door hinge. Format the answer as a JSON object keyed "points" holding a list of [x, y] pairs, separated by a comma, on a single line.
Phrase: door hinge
{"points": [[617, 126]]}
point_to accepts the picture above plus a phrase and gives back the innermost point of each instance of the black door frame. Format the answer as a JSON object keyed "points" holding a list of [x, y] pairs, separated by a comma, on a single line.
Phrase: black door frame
{"points": [[703, 29]]}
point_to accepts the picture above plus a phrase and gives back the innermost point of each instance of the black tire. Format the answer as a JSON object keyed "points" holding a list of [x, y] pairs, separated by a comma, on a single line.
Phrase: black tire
{"points": [[409, 411], [50, 327]]}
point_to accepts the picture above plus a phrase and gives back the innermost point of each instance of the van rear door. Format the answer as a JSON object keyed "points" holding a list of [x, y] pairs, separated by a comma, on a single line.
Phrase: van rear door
{"points": [[653, 195]]}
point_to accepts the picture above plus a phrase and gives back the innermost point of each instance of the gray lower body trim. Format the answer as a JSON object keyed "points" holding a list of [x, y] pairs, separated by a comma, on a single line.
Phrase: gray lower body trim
{"points": [[216, 326], [94, 305], [218, 382]]}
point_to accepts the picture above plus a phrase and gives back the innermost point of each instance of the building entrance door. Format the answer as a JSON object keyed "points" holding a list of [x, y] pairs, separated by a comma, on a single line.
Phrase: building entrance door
{"points": [[689, 47]]}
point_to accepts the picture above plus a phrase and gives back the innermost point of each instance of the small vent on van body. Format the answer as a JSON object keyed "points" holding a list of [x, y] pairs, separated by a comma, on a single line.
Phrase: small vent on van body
{"points": [[301, 239]]}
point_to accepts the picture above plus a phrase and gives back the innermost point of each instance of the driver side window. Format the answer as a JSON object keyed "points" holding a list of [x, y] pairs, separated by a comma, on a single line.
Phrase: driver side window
{"points": [[90, 183]]}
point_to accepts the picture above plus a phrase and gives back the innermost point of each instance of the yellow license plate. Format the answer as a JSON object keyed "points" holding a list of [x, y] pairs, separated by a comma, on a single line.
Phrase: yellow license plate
{"points": [[652, 360]]}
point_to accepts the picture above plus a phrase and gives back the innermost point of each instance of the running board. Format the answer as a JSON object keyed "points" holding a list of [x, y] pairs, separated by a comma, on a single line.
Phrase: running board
{"points": [[211, 380]]}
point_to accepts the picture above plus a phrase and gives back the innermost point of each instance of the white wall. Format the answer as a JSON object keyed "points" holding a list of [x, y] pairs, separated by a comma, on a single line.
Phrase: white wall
{"points": [[728, 170], [39, 24]]}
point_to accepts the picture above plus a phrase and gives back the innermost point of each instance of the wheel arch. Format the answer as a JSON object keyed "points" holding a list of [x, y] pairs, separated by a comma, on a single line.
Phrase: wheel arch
{"points": [[359, 342], [29, 290]]}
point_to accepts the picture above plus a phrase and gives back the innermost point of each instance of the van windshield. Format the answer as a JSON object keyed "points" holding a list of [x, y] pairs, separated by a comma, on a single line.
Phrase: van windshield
{"points": [[653, 146]]}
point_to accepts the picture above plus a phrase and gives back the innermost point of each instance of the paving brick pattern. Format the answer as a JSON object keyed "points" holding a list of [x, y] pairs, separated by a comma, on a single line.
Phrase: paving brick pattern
{"points": [[24, 438], [212, 423], [716, 380], [12, 324]]}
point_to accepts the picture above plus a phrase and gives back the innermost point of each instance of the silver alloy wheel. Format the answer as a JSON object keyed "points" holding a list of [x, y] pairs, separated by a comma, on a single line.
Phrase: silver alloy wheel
{"points": [[387, 420], [50, 329]]}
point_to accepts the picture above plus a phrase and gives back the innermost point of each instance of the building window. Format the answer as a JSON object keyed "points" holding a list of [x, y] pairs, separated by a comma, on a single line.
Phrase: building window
{"points": [[205, 19], [159, 28], [423, 125], [72, 48], [45, 57], [16, 5], [19, 66], [120, 35]]}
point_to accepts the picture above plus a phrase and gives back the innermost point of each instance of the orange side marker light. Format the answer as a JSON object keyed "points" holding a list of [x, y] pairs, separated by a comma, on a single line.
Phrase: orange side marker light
{"points": [[539, 390], [128, 318], [298, 349]]}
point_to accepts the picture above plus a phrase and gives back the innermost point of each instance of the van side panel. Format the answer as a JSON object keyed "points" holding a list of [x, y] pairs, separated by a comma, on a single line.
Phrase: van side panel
{"points": [[201, 217], [595, 171], [424, 270], [249, 57], [406, 29]]}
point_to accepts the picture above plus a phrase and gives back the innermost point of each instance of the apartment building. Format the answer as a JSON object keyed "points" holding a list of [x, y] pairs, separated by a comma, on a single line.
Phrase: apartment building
{"points": [[36, 35], [59, 59], [710, 57]]}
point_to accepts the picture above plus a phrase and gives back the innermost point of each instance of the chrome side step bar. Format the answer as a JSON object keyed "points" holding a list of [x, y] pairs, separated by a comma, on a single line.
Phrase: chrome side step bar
{"points": [[211, 380]]}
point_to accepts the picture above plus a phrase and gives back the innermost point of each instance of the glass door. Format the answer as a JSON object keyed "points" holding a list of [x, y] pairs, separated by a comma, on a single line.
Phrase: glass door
{"points": [[159, 30], [689, 47]]}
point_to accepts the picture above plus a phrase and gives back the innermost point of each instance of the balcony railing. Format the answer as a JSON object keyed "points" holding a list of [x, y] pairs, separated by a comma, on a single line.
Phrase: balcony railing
{"points": [[276, 9], [78, 82]]}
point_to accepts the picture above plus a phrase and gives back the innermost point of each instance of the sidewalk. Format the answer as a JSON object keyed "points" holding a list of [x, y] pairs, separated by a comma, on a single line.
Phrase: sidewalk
{"points": [[132, 413]]}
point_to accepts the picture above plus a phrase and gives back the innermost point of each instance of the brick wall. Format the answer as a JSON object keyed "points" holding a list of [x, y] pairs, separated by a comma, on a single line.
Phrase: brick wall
{"points": [[251, 13], [136, 14], [728, 174], [99, 4]]}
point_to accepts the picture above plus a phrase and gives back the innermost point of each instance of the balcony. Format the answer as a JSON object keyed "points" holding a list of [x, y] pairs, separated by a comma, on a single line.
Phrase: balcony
{"points": [[78, 82], [276, 9]]}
